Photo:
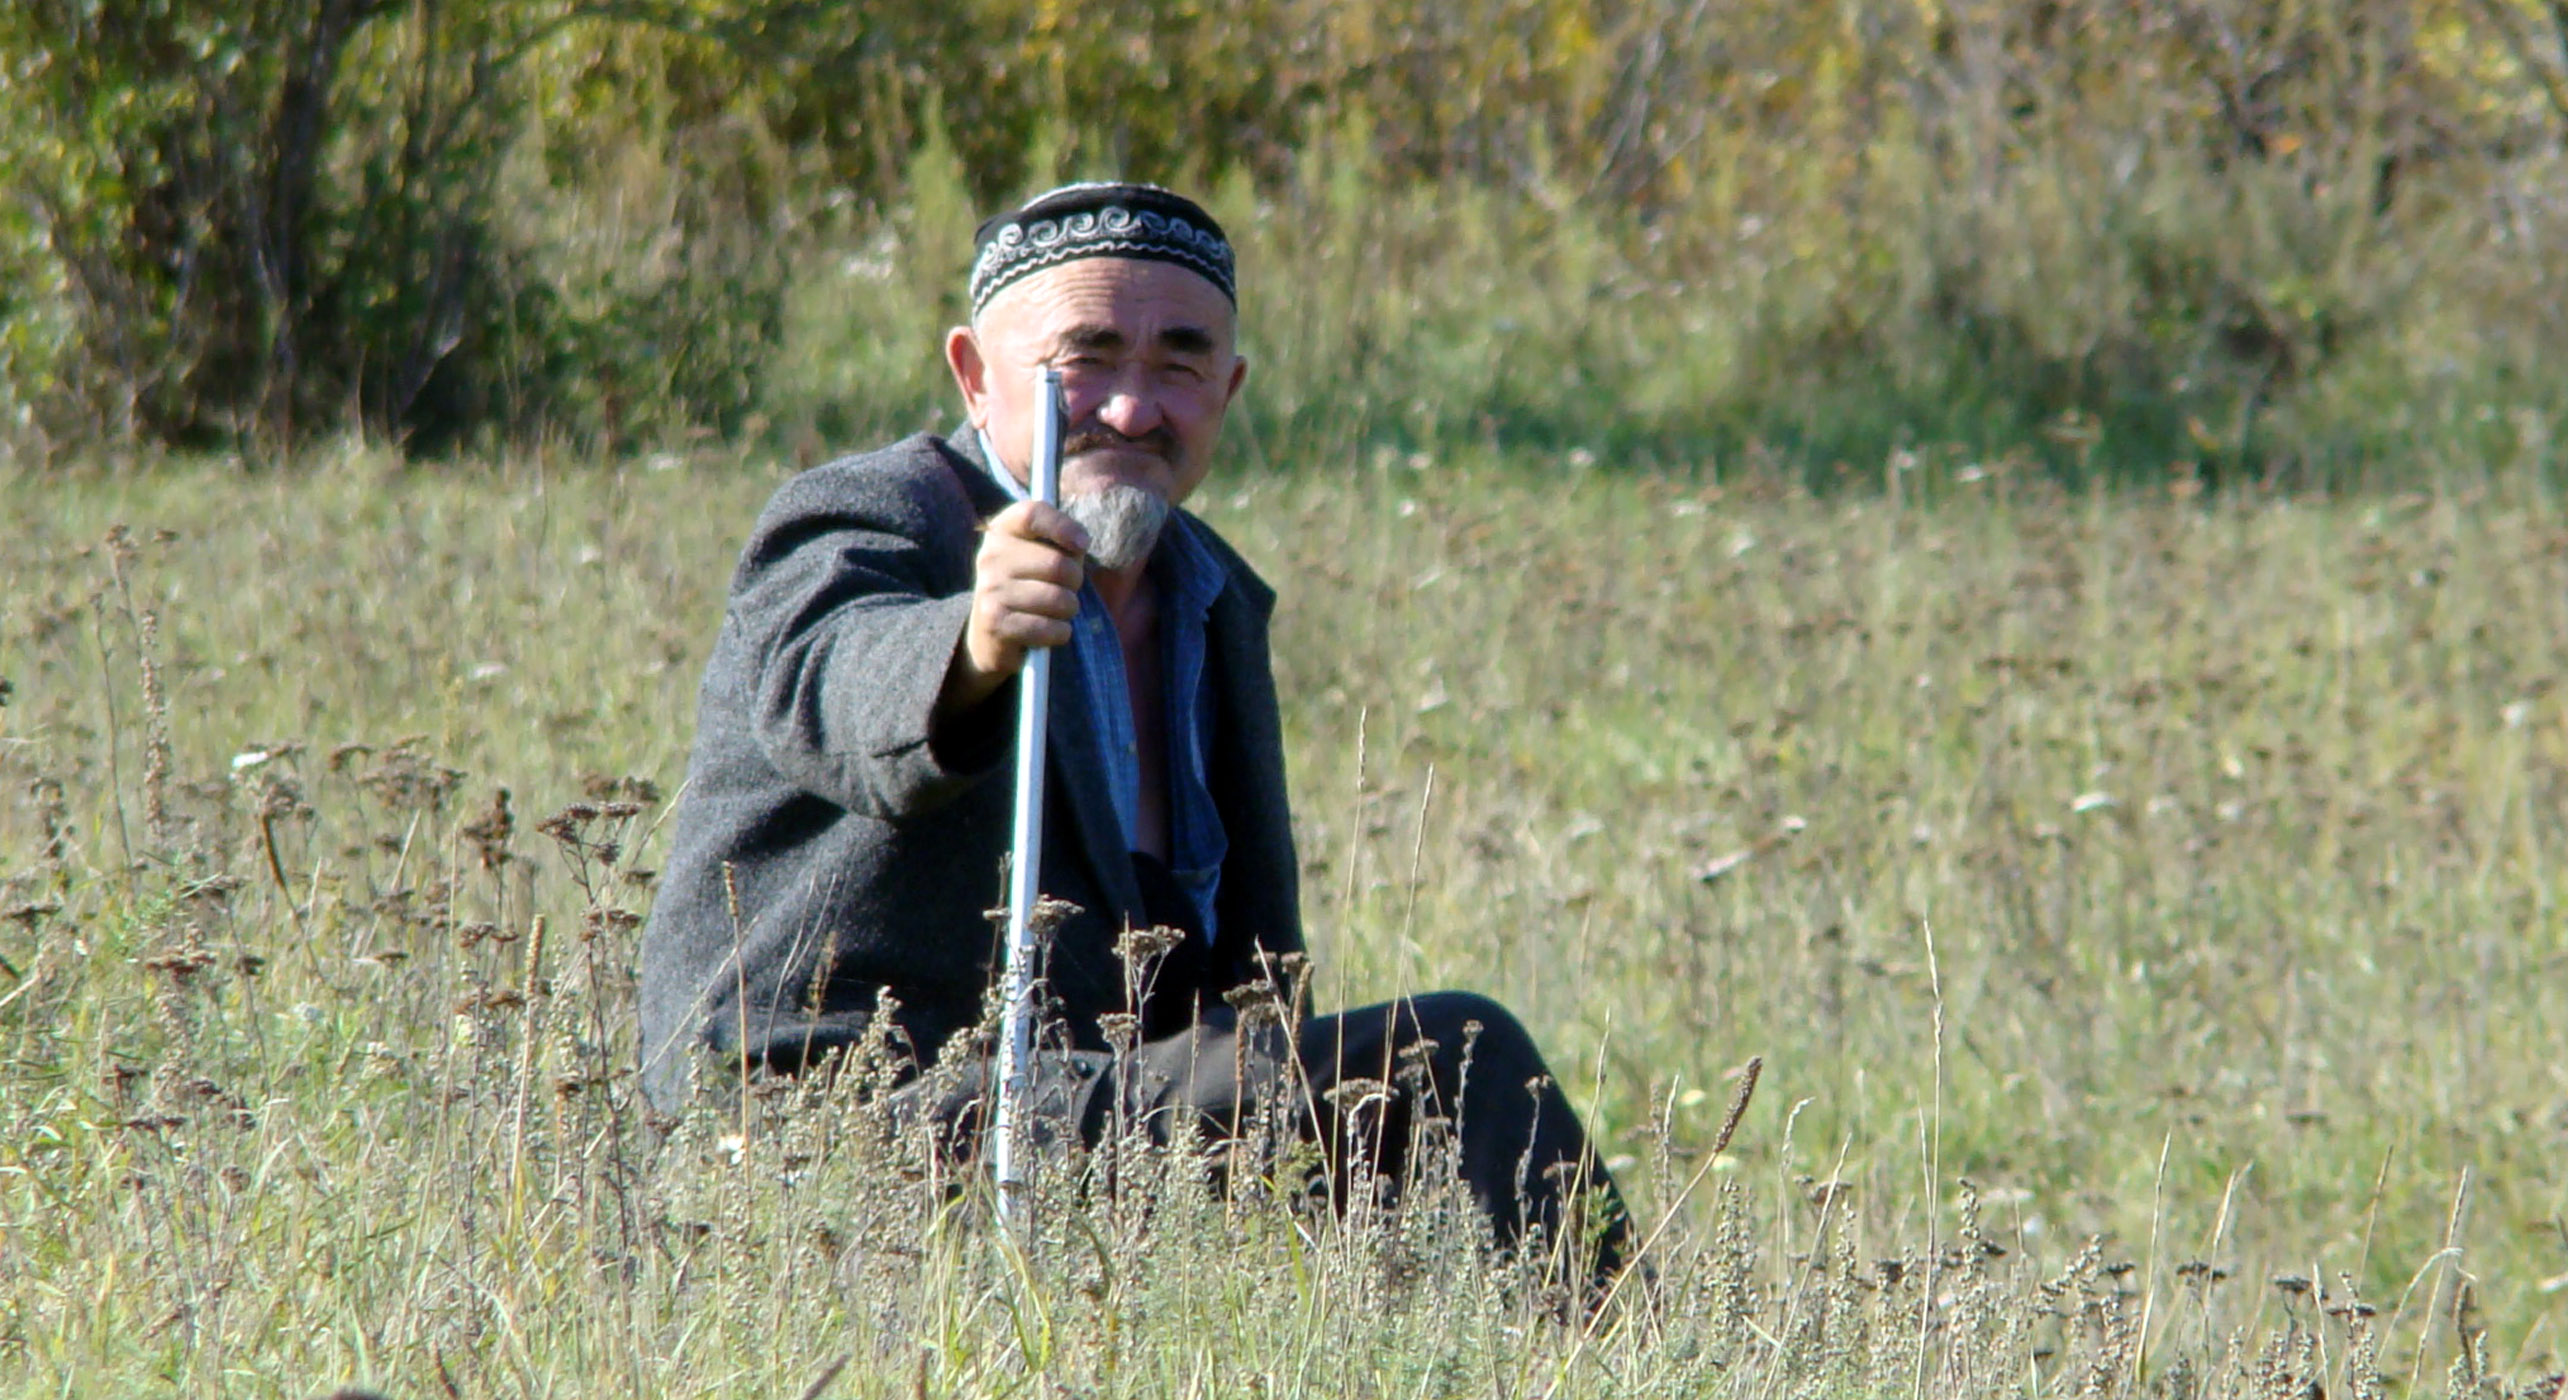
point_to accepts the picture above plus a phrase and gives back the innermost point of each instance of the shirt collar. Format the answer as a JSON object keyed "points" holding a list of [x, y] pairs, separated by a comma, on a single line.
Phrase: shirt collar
{"points": [[998, 473]]}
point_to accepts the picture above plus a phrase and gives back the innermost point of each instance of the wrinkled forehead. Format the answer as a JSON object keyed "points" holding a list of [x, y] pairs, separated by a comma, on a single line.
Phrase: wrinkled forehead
{"points": [[1100, 303]]}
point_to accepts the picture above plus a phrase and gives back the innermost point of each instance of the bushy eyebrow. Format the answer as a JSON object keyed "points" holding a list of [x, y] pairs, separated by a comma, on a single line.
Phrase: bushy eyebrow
{"points": [[1182, 340]]}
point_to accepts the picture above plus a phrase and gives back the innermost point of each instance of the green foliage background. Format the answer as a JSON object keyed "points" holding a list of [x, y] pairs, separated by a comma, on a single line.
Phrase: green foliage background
{"points": [[2310, 240]]}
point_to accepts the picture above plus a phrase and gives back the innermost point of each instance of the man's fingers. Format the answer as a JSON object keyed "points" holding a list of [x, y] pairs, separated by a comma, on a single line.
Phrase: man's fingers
{"points": [[1010, 558], [1014, 616], [1034, 521], [1025, 631], [1034, 597], [1026, 585]]}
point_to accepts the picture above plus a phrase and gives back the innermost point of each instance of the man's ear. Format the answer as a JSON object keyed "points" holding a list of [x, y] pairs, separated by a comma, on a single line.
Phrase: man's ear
{"points": [[1239, 376], [971, 372]]}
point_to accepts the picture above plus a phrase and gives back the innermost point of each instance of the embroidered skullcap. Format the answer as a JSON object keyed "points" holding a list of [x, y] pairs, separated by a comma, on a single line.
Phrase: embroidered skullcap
{"points": [[1099, 220]]}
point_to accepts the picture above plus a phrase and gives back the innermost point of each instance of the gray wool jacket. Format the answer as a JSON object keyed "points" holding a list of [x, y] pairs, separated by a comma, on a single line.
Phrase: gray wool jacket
{"points": [[829, 848]]}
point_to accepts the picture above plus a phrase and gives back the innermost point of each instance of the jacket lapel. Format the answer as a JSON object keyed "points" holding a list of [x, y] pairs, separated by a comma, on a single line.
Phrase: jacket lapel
{"points": [[1248, 773]]}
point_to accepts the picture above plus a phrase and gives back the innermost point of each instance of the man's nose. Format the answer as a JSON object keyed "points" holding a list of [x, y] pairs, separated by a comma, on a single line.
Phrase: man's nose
{"points": [[1128, 404]]}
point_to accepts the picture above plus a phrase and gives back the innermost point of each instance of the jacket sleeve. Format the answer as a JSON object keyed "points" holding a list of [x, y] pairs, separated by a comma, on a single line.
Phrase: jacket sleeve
{"points": [[849, 602]]}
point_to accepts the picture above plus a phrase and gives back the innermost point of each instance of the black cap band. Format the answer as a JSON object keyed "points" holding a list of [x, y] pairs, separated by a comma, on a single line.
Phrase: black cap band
{"points": [[1101, 220]]}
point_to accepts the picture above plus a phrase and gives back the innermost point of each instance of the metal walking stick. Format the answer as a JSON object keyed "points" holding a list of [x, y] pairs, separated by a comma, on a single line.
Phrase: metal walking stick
{"points": [[1025, 860]]}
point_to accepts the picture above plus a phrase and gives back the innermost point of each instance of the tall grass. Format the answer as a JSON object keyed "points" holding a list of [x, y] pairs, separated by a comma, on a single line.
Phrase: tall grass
{"points": [[2141, 905]]}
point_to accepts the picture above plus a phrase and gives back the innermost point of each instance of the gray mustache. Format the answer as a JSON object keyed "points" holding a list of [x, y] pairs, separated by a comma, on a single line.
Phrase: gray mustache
{"points": [[1157, 440]]}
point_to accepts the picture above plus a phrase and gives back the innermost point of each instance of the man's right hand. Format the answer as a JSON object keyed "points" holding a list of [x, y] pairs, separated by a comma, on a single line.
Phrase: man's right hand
{"points": [[1025, 590]]}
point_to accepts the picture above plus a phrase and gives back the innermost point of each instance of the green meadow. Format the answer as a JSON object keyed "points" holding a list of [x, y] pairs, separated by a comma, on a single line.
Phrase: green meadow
{"points": [[1959, 604], [2143, 906]]}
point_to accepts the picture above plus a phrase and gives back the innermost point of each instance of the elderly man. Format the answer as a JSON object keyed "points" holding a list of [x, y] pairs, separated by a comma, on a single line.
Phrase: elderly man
{"points": [[847, 805]]}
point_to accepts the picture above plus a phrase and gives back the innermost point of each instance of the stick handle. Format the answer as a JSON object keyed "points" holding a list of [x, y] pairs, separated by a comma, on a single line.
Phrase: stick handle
{"points": [[1025, 846]]}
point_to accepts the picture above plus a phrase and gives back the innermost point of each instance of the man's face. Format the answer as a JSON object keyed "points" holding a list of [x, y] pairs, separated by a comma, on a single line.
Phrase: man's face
{"points": [[1148, 368]]}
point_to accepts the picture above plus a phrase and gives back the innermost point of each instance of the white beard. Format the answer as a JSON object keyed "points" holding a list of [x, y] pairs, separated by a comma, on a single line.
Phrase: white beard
{"points": [[1122, 521]]}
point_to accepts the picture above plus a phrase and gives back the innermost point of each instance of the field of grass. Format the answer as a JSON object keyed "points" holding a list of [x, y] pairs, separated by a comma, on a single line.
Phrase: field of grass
{"points": [[2135, 900]]}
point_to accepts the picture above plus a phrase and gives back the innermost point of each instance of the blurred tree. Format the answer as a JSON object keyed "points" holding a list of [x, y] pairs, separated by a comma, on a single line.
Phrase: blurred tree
{"points": [[232, 218], [272, 214]]}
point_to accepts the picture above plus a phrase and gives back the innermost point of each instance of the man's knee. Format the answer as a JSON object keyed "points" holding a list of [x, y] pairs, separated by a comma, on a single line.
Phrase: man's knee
{"points": [[1467, 1021]]}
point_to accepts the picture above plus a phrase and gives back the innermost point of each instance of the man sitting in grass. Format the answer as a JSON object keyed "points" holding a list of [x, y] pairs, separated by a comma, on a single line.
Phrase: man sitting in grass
{"points": [[847, 805]]}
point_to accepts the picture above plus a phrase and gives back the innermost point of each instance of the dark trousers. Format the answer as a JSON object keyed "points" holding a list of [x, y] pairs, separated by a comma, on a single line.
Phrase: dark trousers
{"points": [[1369, 1086]]}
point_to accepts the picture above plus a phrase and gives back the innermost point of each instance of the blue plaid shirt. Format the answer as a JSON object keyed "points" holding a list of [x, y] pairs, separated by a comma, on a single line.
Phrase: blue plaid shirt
{"points": [[1189, 580]]}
